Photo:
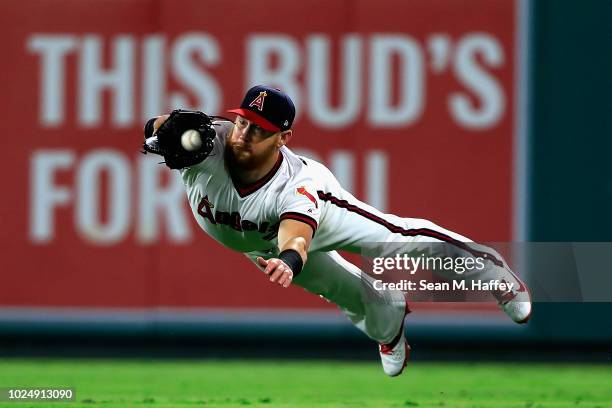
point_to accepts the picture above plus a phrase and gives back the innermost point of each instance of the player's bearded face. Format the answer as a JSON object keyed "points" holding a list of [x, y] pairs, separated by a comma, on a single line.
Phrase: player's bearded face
{"points": [[250, 145]]}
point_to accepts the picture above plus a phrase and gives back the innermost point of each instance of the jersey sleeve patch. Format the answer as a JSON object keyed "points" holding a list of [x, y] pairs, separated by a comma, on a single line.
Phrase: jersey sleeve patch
{"points": [[303, 192], [300, 217]]}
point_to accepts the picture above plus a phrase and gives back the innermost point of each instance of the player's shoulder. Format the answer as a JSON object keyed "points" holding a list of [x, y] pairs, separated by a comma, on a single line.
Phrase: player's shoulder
{"points": [[222, 126], [222, 121], [303, 169], [295, 165], [314, 168]]}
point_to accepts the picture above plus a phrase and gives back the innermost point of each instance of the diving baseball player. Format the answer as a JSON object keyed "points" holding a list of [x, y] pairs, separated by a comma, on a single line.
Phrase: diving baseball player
{"points": [[289, 215]]}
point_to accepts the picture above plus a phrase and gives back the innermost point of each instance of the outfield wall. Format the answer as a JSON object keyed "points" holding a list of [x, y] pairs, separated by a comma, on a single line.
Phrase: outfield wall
{"points": [[419, 108], [570, 190]]}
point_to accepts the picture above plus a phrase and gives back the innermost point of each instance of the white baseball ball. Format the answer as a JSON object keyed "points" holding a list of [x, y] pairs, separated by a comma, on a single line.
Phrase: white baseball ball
{"points": [[191, 140]]}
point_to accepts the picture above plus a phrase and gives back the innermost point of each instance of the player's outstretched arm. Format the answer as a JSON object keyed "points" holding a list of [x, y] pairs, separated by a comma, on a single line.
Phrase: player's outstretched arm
{"points": [[293, 241]]}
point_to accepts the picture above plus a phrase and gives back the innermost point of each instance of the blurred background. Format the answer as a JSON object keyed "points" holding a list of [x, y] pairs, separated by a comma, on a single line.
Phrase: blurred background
{"points": [[491, 118]]}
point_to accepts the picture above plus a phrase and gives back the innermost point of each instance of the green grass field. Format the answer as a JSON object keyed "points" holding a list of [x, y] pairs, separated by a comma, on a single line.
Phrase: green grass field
{"points": [[272, 384]]}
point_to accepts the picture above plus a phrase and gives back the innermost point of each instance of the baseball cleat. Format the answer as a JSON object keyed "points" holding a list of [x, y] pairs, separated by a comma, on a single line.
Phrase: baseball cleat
{"points": [[516, 303], [394, 358]]}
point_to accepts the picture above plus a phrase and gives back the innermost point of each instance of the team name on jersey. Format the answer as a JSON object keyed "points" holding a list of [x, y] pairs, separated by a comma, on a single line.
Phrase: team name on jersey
{"points": [[235, 221]]}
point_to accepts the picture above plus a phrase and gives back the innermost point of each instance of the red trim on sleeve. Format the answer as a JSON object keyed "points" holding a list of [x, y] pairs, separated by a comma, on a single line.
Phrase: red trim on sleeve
{"points": [[300, 217]]}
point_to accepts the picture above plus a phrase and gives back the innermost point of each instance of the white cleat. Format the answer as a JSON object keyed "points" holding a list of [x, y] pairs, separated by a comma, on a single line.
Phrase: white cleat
{"points": [[394, 358], [516, 303]]}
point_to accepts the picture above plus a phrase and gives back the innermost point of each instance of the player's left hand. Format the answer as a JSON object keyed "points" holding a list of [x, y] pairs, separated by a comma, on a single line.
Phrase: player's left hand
{"points": [[277, 270]]}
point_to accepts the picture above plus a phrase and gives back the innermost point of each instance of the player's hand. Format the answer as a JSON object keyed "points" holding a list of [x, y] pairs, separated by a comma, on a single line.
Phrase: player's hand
{"points": [[159, 121], [278, 271]]}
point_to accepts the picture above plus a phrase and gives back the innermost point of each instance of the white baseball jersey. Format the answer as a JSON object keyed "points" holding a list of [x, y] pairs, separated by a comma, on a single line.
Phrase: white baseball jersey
{"points": [[246, 219]]}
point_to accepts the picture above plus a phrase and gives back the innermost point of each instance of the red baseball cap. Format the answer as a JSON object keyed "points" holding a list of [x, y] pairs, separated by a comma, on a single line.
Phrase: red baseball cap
{"points": [[269, 108]]}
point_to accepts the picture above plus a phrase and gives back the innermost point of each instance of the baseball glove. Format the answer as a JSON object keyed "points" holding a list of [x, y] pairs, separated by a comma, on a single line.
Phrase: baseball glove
{"points": [[166, 141]]}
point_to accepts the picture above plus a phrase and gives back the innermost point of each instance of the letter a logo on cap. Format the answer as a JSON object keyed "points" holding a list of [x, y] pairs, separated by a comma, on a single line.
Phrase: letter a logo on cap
{"points": [[259, 101]]}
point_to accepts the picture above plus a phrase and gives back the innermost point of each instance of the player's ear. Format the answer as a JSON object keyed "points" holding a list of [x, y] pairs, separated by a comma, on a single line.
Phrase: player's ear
{"points": [[284, 138]]}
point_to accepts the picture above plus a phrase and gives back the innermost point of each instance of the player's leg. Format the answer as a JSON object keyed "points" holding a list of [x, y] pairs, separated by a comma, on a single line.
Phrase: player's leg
{"points": [[418, 236], [379, 314], [386, 235]]}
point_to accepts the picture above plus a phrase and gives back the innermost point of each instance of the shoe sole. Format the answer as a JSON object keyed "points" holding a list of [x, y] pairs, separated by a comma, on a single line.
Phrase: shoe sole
{"points": [[524, 285], [406, 312], [526, 319], [405, 360]]}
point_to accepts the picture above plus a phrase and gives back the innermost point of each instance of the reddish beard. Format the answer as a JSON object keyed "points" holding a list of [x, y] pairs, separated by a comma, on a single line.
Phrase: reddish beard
{"points": [[246, 159]]}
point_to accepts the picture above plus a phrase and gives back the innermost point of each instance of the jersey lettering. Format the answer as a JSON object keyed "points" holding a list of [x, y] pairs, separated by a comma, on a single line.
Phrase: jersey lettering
{"points": [[234, 220], [248, 225], [272, 232], [263, 227], [222, 217], [204, 209], [235, 224]]}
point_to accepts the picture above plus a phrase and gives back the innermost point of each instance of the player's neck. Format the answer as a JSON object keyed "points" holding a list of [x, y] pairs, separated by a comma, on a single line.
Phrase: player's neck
{"points": [[249, 176]]}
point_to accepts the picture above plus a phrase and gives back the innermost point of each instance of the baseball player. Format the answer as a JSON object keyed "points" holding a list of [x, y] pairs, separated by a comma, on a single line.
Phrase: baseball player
{"points": [[289, 215]]}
